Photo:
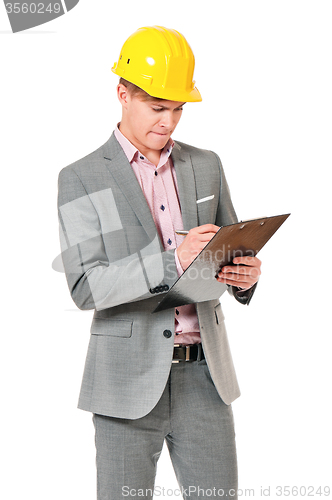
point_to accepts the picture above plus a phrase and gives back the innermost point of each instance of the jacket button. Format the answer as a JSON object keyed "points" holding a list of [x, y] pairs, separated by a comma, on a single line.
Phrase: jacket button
{"points": [[167, 333], [166, 287]]}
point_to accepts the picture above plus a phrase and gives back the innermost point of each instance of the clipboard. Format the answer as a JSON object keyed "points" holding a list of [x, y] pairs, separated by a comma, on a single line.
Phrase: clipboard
{"points": [[198, 282]]}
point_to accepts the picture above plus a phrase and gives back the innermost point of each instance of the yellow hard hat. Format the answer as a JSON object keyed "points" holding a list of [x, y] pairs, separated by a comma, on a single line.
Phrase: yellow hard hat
{"points": [[161, 62]]}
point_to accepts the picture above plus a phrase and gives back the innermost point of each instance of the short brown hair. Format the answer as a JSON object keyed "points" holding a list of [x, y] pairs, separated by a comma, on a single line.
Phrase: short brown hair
{"points": [[138, 92]]}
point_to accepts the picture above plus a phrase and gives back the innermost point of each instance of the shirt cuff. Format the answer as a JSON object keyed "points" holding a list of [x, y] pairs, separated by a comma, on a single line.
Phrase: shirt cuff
{"points": [[177, 263], [243, 296]]}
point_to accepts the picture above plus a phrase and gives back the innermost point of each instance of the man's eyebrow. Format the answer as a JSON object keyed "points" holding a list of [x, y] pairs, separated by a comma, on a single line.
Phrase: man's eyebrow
{"points": [[158, 103]]}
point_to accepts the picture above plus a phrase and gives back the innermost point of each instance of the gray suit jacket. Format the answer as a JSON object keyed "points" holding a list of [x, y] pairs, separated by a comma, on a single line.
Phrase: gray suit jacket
{"points": [[115, 264]]}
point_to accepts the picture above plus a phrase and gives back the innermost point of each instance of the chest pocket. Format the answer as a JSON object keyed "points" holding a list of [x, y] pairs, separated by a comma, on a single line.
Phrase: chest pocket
{"points": [[206, 209]]}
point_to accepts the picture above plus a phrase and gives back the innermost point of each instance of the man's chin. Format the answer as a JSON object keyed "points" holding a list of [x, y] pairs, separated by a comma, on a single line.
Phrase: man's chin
{"points": [[159, 139]]}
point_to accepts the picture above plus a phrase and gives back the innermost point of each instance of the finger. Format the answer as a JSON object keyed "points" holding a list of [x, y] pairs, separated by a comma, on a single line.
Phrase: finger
{"points": [[205, 236], [199, 240], [247, 274], [242, 270], [248, 261], [237, 277], [207, 228], [235, 269], [237, 283]]}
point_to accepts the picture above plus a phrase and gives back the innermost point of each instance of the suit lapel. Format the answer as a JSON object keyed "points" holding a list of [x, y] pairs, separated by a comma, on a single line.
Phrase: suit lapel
{"points": [[123, 174], [187, 186]]}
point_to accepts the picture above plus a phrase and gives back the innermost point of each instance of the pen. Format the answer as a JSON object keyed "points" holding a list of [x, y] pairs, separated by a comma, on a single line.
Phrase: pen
{"points": [[182, 232]]}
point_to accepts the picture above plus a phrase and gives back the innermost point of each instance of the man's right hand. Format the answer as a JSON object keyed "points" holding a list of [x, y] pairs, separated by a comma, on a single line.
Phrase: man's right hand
{"points": [[194, 242]]}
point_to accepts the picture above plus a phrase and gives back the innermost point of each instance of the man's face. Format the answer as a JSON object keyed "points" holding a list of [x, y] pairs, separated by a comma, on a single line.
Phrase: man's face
{"points": [[149, 124]]}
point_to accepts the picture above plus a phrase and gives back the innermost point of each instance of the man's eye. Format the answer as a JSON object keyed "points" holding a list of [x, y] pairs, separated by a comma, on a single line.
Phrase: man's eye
{"points": [[157, 109]]}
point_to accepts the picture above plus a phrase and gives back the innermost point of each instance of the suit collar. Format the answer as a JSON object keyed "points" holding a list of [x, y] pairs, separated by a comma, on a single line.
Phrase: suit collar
{"points": [[132, 152]]}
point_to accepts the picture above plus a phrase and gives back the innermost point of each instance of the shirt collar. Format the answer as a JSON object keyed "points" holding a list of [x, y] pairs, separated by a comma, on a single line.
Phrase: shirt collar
{"points": [[131, 151]]}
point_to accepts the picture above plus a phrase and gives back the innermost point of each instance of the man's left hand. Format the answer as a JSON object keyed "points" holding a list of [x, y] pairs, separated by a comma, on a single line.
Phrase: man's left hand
{"points": [[244, 274]]}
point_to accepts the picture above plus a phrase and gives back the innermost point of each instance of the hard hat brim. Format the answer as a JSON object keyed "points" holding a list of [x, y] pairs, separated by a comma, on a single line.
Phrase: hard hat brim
{"points": [[162, 93]]}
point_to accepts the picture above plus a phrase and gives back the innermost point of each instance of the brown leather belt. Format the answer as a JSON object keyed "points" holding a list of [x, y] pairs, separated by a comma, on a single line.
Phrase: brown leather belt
{"points": [[192, 352]]}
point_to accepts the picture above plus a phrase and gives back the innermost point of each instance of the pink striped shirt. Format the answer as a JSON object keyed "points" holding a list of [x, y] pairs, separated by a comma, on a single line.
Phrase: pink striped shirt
{"points": [[160, 189]]}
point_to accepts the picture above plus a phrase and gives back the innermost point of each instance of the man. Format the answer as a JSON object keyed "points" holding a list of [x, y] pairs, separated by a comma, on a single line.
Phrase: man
{"points": [[166, 375]]}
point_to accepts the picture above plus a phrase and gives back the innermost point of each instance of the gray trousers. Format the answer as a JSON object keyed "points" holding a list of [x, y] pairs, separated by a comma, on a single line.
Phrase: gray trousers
{"points": [[199, 431]]}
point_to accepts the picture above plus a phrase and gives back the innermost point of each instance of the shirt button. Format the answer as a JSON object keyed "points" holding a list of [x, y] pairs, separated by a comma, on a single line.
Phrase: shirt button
{"points": [[167, 333], [142, 157], [169, 241], [162, 207], [156, 173]]}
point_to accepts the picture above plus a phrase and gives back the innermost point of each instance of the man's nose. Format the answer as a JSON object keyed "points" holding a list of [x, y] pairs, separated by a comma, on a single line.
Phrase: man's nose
{"points": [[166, 121]]}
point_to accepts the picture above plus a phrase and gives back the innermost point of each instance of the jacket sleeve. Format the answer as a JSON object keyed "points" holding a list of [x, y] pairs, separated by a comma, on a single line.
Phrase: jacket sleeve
{"points": [[226, 215], [97, 276]]}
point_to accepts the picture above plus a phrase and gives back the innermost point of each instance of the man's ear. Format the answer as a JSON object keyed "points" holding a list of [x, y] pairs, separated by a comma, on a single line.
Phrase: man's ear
{"points": [[123, 94]]}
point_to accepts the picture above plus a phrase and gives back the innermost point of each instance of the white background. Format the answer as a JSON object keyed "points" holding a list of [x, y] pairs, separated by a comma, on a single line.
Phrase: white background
{"points": [[264, 71]]}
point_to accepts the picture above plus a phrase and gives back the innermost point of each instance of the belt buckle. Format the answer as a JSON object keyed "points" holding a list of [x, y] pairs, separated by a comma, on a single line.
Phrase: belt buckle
{"points": [[176, 360], [187, 358], [187, 352]]}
